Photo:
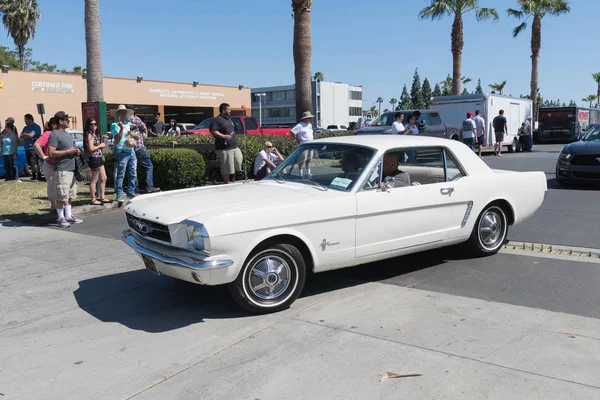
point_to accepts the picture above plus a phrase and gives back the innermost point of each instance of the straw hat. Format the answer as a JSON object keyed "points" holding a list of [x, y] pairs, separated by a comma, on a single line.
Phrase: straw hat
{"points": [[307, 115], [114, 113]]}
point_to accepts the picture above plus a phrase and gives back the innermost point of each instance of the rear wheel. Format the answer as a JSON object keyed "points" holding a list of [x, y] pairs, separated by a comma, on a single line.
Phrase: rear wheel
{"points": [[489, 233], [271, 280]]}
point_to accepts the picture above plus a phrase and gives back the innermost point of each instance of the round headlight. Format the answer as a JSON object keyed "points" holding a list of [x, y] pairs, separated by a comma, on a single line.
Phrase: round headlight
{"points": [[198, 239]]}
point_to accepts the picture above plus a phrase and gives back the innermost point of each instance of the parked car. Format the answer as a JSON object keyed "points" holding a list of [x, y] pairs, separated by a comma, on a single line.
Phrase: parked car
{"points": [[243, 124], [22, 167], [337, 128], [342, 214], [430, 124], [186, 126], [579, 162]]}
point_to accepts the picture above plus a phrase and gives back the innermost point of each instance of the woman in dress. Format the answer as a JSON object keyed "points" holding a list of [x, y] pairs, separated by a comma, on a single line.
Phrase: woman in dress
{"points": [[93, 146], [9, 145]]}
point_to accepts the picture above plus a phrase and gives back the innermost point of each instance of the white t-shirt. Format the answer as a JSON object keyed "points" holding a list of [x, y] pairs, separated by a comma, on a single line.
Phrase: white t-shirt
{"points": [[468, 128], [260, 160], [413, 131], [397, 127], [303, 131], [479, 123]]}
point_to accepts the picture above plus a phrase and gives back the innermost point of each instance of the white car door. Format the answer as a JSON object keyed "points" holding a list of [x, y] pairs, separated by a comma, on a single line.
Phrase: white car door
{"points": [[410, 216]]}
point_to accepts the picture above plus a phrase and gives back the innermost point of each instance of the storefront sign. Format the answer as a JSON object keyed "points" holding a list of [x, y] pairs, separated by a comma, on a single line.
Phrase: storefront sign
{"points": [[52, 87], [186, 94]]}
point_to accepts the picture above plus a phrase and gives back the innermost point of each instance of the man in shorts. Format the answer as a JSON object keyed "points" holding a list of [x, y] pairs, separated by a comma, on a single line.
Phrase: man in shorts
{"points": [[480, 124], [63, 153], [500, 129], [229, 155]]}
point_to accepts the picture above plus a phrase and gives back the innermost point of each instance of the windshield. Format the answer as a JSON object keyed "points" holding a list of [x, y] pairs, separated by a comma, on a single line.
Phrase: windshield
{"points": [[385, 120], [332, 166], [593, 134], [205, 124]]}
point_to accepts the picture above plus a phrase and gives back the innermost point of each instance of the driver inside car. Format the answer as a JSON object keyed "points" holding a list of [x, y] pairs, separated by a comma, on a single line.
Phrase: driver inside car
{"points": [[397, 178]]}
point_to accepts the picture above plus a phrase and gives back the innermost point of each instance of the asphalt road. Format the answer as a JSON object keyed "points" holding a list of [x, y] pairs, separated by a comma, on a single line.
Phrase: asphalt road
{"points": [[569, 216]]}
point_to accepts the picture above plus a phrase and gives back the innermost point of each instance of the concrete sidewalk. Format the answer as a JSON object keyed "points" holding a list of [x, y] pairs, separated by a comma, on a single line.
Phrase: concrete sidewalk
{"points": [[81, 319]]}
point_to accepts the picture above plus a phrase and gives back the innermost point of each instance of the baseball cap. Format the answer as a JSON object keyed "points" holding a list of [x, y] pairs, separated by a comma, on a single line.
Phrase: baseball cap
{"points": [[469, 114], [61, 115]]}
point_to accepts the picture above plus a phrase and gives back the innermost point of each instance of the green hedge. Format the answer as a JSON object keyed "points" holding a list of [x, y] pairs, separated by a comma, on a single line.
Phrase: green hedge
{"points": [[173, 169]]}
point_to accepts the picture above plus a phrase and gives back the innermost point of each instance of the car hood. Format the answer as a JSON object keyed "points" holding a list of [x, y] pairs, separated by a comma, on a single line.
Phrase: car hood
{"points": [[583, 148], [374, 130], [202, 204]]}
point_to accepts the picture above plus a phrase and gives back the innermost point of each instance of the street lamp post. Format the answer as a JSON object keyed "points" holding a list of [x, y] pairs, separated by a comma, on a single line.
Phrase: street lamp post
{"points": [[260, 96]]}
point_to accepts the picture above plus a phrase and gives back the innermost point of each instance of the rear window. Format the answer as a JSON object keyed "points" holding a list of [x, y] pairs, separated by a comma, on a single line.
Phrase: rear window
{"points": [[250, 124], [332, 127]]}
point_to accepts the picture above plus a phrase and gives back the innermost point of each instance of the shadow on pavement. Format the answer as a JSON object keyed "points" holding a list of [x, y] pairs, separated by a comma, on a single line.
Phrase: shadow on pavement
{"points": [[553, 184], [142, 301]]}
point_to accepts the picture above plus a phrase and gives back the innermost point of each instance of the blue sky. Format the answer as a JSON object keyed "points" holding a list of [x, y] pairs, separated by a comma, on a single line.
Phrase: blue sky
{"points": [[250, 43]]}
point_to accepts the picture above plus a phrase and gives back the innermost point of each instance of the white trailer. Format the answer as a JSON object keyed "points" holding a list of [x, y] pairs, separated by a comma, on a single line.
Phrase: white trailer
{"points": [[453, 111]]}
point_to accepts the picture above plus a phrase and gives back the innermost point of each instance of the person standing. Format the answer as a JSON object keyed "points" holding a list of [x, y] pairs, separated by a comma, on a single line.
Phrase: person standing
{"points": [[41, 148], [468, 131], [229, 155], [398, 127], [368, 121], [142, 156], [172, 129], [63, 153], [9, 147], [500, 130], [93, 146], [31, 132], [157, 127], [480, 125], [125, 160], [528, 136], [303, 132]]}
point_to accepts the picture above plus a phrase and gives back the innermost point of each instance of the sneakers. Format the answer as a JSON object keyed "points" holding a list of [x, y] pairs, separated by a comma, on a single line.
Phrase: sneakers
{"points": [[153, 190], [74, 220], [63, 223]]}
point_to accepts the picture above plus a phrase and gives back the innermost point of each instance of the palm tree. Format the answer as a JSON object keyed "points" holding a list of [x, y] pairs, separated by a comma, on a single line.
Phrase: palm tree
{"points": [[393, 102], [20, 19], [373, 110], [498, 86], [590, 98], [597, 79], [457, 8], [379, 101], [95, 84], [319, 76], [302, 55], [536, 9]]}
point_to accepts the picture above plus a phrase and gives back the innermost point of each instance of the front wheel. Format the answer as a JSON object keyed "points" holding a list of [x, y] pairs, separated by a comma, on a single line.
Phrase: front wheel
{"points": [[271, 280], [489, 233]]}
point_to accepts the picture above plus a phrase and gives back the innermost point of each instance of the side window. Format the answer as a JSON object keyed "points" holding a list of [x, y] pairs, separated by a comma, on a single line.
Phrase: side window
{"points": [[434, 119], [237, 124], [250, 124], [424, 166], [453, 170]]}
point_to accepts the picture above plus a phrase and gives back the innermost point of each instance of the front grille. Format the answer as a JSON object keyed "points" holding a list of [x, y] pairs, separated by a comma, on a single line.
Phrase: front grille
{"points": [[587, 159], [148, 228], [587, 175]]}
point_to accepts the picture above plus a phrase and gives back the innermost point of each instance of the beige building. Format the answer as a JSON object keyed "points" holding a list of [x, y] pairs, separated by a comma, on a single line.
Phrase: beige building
{"points": [[21, 91]]}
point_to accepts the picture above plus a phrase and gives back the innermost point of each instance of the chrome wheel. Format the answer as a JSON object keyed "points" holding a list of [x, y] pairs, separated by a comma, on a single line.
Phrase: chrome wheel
{"points": [[492, 229], [269, 277]]}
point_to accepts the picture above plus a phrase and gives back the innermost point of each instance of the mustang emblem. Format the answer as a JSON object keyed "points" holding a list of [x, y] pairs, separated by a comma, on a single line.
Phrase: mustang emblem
{"points": [[325, 243], [142, 227]]}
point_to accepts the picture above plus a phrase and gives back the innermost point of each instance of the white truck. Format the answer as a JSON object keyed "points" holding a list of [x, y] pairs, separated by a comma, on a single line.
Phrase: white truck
{"points": [[453, 110]]}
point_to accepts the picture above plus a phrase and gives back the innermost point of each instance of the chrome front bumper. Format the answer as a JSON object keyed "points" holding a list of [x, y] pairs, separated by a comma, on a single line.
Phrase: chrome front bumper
{"points": [[196, 264]]}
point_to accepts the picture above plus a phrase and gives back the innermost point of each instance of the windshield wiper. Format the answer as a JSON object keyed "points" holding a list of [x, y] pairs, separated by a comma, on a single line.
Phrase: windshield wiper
{"points": [[316, 184], [278, 174]]}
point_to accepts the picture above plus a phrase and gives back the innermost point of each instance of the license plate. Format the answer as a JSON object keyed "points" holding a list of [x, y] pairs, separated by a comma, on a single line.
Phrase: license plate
{"points": [[149, 263]]}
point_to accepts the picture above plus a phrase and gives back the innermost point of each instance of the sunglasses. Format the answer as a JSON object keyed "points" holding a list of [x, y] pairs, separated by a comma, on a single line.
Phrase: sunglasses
{"points": [[93, 123], [268, 147]]}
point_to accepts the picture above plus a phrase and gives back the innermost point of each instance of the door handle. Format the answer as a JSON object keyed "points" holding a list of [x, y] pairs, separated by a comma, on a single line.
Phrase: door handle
{"points": [[446, 191]]}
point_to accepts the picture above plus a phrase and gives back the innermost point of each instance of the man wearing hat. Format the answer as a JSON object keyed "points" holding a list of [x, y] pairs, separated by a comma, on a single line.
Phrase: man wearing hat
{"points": [[303, 132], [125, 160], [527, 137], [468, 131], [63, 153]]}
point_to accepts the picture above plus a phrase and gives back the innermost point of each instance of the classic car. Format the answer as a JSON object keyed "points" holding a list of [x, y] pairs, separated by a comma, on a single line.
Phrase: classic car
{"points": [[347, 208], [579, 162]]}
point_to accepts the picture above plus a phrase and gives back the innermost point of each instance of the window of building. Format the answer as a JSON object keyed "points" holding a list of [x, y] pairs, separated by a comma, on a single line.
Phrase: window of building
{"points": [[354, 95], [290, 95], [279, 96], [279, 112], [355, 111]]}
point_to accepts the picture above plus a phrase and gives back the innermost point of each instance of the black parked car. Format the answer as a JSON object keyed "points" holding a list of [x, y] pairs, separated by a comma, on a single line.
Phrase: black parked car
{"points": [[579, 162]]}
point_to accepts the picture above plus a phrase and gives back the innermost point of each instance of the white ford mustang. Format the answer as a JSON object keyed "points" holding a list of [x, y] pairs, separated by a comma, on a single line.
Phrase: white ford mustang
{"points": [[333, 203]]}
